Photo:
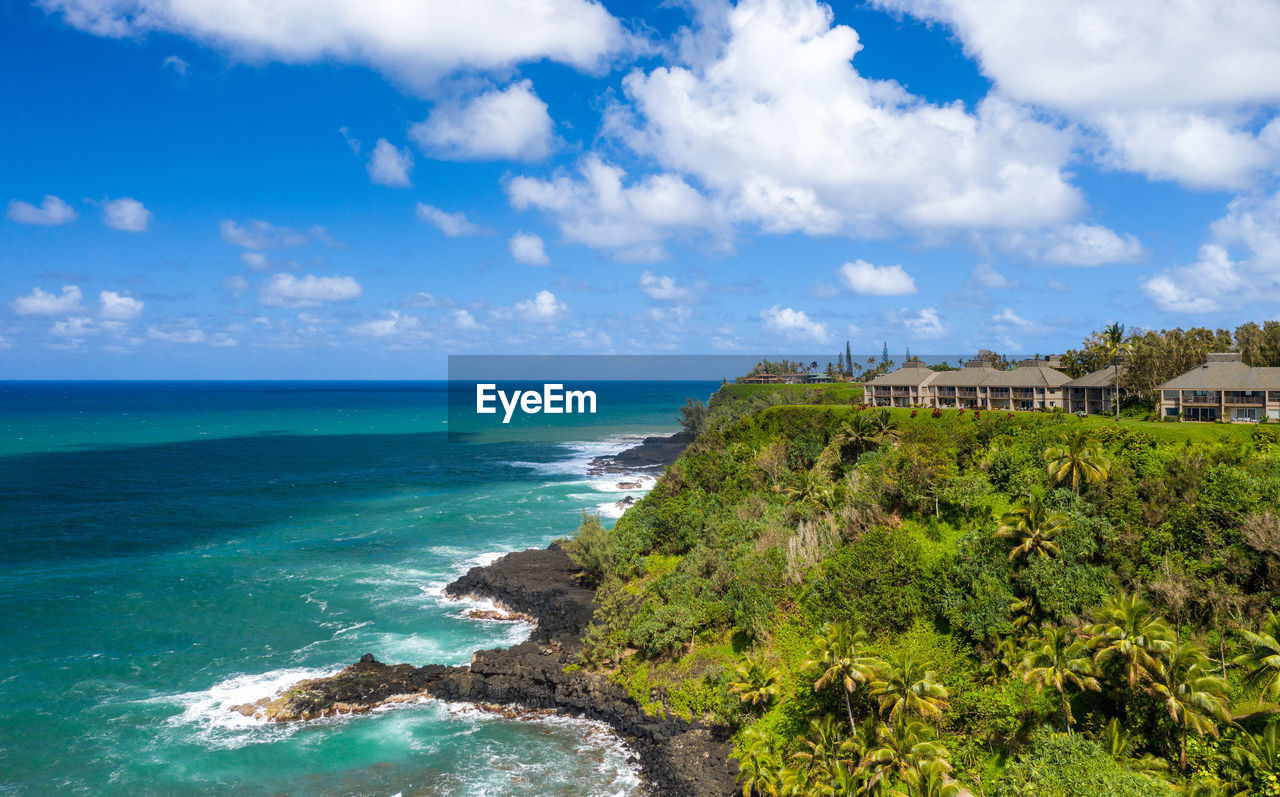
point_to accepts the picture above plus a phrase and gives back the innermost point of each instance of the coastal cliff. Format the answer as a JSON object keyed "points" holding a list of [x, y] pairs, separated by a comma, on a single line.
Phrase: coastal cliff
{"points": [[677, 757]]}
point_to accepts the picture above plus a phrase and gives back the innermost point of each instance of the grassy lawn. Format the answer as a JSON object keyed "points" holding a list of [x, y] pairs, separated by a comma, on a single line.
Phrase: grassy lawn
{"points": [[1195, 432]]}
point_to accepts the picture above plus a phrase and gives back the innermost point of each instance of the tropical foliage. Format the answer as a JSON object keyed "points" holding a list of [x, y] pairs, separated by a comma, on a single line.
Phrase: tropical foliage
{"points": [[1030, 604]]}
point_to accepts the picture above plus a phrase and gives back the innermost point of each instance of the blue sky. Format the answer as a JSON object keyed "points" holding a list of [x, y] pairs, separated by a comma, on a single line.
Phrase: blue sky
{"points": [[359, 188]]}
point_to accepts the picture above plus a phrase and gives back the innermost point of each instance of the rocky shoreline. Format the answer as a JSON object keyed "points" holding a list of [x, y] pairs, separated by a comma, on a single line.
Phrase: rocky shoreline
{"points": [[676, 757], [650, 456], [535, 676]]}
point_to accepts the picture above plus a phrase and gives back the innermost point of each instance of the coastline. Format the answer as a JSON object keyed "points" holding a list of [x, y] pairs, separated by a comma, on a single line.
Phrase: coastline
{"points": [[535, 677]]}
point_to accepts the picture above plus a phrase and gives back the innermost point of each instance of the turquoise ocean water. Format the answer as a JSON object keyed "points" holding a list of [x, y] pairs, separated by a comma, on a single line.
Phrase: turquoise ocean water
{"points": [[173, 549]]}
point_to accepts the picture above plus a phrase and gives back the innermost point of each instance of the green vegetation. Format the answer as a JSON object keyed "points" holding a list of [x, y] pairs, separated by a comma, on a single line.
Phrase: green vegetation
{"points": [[914, 602]]}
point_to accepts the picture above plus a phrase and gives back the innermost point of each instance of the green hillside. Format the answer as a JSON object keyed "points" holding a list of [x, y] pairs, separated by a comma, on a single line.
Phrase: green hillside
{"points": [[1026, 604]]}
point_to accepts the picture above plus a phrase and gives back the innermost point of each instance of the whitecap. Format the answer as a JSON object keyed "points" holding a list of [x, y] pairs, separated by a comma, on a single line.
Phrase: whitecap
{"points": [[208, 713]]}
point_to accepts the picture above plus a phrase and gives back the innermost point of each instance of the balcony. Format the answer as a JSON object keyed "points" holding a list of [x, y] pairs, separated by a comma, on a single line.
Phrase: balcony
{"points": [[902, 391], [1024, 393], [1200, 400], [1255, 400]]}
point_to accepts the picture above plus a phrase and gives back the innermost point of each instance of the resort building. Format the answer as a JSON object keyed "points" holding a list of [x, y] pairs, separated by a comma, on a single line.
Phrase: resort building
{"points": [[1223, 388], [905, 387], [785, 379], [962, 389], [1094, 392], [1033, 385]]}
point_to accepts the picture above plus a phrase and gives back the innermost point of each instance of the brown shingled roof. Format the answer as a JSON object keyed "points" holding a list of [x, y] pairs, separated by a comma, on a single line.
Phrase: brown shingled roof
{"points": [[1103, 377], [911, 374], [1028, 376], [1225, 374]]}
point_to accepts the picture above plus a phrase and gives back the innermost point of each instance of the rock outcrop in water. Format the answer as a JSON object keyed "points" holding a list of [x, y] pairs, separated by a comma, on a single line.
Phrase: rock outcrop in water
{"points": [[650, 456], [677, 757]]}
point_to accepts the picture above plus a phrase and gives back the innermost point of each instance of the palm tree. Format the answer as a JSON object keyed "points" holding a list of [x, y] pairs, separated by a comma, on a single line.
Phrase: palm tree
{"points": [[841, 654], [861, 432], [1263, 660], [886, 429], [1126, 629], [810, 489], [1193, 697], [821, 746], [934, 780], [1058, 659], [1078, 459], [1112, 345], [759, 768], [907, 686], [1116, 740], [904, 746], [1261, 751], [755, 681], [1033, 528]]}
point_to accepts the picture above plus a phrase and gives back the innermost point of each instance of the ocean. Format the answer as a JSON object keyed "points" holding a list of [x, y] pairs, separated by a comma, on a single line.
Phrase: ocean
{"points": [[172, 550]]}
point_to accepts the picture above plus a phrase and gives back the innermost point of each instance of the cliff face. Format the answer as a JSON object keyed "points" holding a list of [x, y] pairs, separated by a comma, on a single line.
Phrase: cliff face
{"points": [[678, 758]]}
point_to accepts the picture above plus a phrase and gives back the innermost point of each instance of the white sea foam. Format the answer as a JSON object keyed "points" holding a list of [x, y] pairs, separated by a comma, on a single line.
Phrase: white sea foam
{"points": [[616, 763], [577, 456], [209, 712]]}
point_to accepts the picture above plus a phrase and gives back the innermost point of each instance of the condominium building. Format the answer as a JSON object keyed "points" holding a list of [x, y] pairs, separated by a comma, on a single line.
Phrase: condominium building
{"points": [[1094, 392], [1223, 388], [1033, 385], [905, 387], [963, 388]]}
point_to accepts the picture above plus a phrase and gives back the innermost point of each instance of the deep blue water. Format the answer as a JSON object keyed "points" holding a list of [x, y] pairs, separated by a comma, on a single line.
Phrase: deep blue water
{"points": [[173, 549]]}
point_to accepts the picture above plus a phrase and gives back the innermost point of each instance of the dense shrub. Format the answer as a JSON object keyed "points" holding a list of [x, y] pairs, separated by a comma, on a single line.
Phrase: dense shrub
{"points": [[1059, 765]]}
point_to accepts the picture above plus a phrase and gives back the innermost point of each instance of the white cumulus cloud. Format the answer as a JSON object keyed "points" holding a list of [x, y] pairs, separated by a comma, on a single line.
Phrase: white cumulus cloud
{"points": [[41, 302], [543, 308], [795, 325], [1078, 244], [126, 214], [1171, 86], [924, 324], [768, 111], [528, 248], [454, 225], [118, 306], [664, 288], [393, 325], [1238, 264], [502, 124], [51, 212], [462, 319], [389, 165], [286, 290], [597, 209], [867, 279], [416, 43]]}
